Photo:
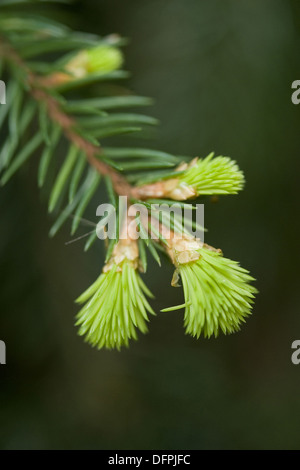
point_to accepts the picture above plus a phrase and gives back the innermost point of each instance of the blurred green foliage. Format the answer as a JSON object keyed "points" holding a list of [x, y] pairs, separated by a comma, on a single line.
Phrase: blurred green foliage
{"points": [[221, 74]]}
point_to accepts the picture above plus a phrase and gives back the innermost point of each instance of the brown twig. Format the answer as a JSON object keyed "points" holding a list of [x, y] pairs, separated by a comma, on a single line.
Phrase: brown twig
{"points": [[38, 90]]}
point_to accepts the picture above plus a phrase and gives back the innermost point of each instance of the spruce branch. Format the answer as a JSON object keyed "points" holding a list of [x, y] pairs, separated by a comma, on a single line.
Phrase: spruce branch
{"points": [[218, 293], [38, 89]]}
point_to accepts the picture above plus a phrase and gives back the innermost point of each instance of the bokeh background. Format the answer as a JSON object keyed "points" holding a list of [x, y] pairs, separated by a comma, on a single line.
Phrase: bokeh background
{"points": [[220, 73]]}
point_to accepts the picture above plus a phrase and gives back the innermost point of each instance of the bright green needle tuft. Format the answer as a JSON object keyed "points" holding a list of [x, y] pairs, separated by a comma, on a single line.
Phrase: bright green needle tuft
{"points": [[116, 306], [218, 294], [219, 175]]}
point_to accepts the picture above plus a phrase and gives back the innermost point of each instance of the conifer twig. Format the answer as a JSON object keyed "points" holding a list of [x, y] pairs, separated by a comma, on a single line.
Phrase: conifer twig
{"points": [[37, 86]]}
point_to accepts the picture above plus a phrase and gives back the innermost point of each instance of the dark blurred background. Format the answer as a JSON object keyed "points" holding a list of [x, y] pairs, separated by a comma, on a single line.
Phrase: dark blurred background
{"points": [[220, 73]]}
